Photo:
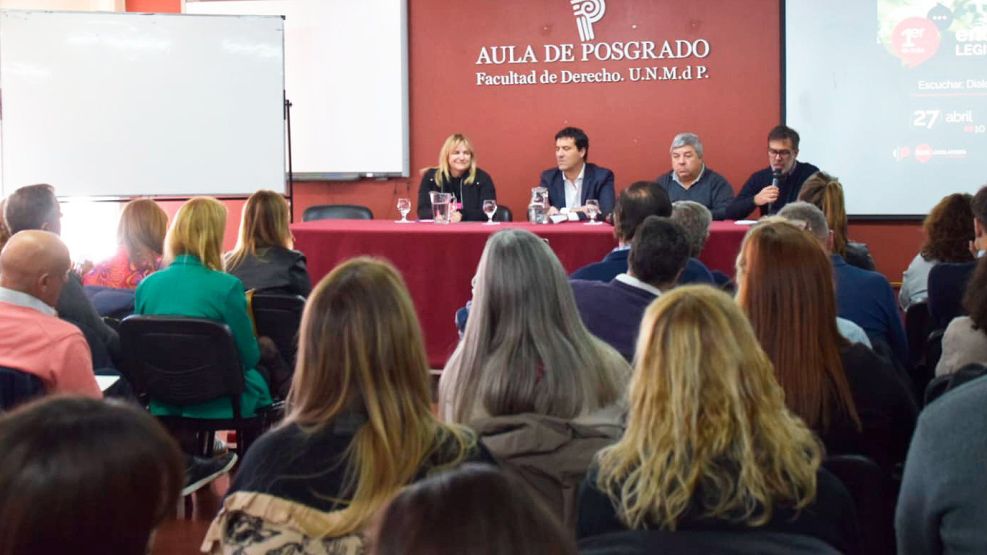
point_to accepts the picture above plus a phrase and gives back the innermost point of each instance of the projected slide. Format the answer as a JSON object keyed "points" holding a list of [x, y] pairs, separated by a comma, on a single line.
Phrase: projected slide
{"points": [[890, 96]]}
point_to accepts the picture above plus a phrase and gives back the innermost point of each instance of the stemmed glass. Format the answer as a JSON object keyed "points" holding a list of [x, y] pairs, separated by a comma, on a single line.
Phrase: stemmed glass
{"points": [[404, 206], [593, 210], [490, 208]]}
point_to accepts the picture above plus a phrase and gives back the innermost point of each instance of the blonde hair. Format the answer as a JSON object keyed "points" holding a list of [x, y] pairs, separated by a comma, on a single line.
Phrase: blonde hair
{"points": [[525, 348], [360, 348], [141, 231], [263, 224], [198, 230], [442, 171], [826, 192], [706, 416]]}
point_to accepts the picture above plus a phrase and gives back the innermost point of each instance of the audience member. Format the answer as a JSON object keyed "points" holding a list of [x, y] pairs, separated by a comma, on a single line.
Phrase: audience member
{"points": [[359, 426], [942, 502], [541, 391], [263, 258], [637, 202], [965, 340], [140, 236], [773, 187], [32, 337], [710, 445], [575, 180], [947, 281], [35, 207], [84, 476], [4, 231], [482, 511], [851, 397], [194, 285], [690, 179], [612, 311], [948, 232], [863, 297], [826, 193], [696, 219]]}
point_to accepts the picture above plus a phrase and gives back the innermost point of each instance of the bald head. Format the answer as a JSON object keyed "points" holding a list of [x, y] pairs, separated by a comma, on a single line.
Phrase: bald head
{"points": [[35, 262]]}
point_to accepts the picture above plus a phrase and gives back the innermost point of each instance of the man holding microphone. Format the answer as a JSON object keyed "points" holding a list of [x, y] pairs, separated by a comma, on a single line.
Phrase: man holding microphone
{"points": [[775, 186]]}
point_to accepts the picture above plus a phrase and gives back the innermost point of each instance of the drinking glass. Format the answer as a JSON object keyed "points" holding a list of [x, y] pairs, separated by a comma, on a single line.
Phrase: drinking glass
{"points": [[490, 208], [404, 206], [593, 210]]}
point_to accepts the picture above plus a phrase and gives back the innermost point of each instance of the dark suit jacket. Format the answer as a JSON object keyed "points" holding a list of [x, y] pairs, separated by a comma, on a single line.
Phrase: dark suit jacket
{"points": [[947, 284], [612, 311], [597, 184]]}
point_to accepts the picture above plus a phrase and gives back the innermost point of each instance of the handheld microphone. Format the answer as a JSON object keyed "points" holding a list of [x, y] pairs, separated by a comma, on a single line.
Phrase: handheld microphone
{"points": [[775, 179]]}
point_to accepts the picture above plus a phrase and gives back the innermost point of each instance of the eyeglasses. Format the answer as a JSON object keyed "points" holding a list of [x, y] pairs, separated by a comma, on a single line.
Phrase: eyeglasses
{"points": [[779, 153]]}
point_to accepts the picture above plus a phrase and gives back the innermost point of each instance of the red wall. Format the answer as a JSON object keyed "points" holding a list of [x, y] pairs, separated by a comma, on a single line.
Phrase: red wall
{"points": [[629, 124]]}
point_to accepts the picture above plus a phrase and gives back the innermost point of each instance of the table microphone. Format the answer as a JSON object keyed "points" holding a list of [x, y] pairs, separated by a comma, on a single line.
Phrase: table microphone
{"points": [[775, 179]]}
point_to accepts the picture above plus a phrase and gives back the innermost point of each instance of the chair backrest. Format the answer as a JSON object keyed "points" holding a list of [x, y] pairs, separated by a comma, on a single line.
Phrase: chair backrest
{"points": [[944, 384], [337, 212], [918, 325], [18, 387], [278, 317], [868, 486], [503, 214], [182, 361]]}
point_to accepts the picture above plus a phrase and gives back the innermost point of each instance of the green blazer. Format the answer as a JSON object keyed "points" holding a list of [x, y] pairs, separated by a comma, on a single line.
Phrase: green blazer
{"points": [[187, 288]]}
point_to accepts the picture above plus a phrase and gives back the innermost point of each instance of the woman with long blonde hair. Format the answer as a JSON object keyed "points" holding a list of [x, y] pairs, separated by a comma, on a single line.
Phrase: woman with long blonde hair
{"points": [[458, 174], [851, 397], [710, 444], [359, 425], [263, 258], [826, 193]]}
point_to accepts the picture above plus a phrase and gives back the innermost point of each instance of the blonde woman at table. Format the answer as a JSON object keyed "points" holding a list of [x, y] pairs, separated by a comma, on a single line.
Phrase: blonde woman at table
{"points": [[457, 174], [527, 372]]}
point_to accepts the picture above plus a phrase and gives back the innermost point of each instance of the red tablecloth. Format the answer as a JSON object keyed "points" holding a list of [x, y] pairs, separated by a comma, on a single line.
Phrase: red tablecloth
{"points": [[438, 261]]}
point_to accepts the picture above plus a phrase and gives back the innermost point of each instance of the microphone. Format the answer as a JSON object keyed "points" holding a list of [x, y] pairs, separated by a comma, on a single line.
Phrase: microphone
{"points": [[775, 179]]}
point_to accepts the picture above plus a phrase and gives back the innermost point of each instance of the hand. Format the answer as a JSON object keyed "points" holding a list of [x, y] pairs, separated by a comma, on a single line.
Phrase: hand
{"points": [[552, 211], [767, 195], [578, 209], [455, 216], [84, 267]]}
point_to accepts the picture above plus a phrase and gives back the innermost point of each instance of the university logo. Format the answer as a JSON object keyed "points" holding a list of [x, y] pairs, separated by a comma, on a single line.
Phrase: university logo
{"points": [[587, 13]]}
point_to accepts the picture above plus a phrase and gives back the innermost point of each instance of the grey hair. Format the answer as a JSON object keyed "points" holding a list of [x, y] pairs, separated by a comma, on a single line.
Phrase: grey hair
{"points": [[688, 139], [810, 215], [525, 348], [695, 219]]}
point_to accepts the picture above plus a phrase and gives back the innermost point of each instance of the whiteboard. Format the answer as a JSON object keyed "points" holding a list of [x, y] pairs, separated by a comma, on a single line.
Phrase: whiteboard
{"points": [[118, 104], [346, 73]]}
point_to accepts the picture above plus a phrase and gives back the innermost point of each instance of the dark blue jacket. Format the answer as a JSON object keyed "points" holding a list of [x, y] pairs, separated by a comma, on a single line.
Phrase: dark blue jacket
{"points": [[616, 263], [597, 184], [612, 311], [866, 299], [947, 283], [789, 187]]}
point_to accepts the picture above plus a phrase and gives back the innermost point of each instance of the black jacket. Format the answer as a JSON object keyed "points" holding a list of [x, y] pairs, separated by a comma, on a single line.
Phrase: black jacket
{"points": [[471, 195]]}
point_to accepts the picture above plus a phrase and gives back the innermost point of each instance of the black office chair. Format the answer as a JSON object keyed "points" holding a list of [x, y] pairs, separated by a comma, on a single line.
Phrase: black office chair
{"points": [[873, 497], [337, 212], [944, 384], [503, 214], [186, 361], [278, 317], [918, 325], [17, 387]]}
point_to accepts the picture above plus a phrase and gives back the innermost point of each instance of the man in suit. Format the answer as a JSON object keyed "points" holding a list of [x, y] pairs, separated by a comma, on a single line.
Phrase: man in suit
{"points": [[637, 202], [575, 180], [862, 296], [760, 190], [612, 311], [690, 179]]}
